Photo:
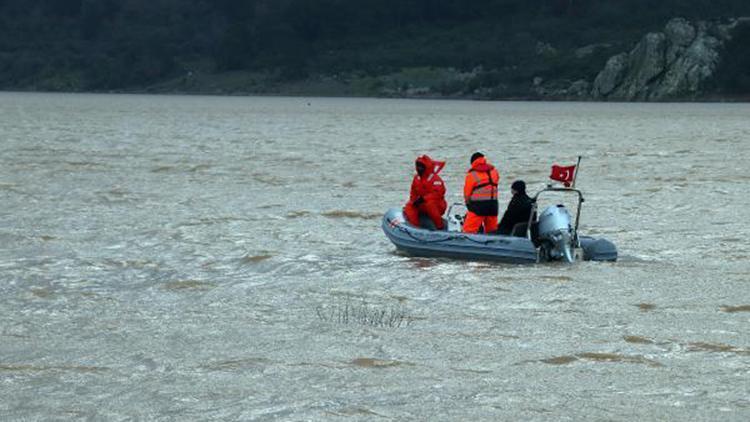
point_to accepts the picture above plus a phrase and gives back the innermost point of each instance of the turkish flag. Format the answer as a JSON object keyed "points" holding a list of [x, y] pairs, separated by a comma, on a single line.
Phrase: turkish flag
{"points": [[564, 174]]}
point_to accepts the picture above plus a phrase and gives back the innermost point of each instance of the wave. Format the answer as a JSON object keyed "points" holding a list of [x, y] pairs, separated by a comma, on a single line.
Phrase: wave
{"points": [[377, 363], [53, 368], [188, 285], [351, 214], [254, 259], [716, 348], [162, 169], [601, 357], [198, 168], [734, 309], [297, 214]]}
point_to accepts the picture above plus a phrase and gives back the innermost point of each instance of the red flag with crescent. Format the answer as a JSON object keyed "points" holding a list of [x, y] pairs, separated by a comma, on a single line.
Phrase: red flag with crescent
{"points": [[564, 174]]}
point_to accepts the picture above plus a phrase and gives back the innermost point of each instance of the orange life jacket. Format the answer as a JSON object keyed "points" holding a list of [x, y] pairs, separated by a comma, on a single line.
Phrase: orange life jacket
{"points": [[485, 186], [480, 188]]}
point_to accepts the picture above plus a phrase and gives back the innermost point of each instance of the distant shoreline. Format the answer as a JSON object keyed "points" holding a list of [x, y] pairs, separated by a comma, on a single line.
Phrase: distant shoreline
{"points": [[700, 100]]}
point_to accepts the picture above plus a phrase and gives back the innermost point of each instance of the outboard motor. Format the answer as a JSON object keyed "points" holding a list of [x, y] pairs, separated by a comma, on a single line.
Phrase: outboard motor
{"points": [[556, 234]]}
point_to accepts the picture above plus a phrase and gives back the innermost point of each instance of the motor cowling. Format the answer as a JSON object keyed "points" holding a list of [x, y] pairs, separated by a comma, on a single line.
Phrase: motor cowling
{"points": [[556, 234]]}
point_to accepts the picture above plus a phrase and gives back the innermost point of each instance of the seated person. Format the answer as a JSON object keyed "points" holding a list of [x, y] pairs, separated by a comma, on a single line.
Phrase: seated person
{"points": [[519, 208], [427, 194]]}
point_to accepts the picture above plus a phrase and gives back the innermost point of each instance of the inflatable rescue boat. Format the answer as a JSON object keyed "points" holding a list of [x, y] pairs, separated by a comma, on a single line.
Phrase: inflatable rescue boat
{"points": [[552, 237]]}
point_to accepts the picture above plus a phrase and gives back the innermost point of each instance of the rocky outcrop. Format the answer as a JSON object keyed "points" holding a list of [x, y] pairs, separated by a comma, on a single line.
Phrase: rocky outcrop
{"points": [[673, 64]]}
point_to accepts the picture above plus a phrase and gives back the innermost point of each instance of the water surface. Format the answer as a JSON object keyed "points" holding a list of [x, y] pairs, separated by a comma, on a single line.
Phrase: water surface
{"points": [[202, 258]]}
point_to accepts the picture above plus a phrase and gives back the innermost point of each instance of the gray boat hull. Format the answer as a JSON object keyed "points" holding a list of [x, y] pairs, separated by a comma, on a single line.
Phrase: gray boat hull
{"points": [[434, 243]]}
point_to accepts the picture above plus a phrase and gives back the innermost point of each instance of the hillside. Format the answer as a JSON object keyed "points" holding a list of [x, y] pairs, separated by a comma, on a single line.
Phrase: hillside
{"points": [[445, 48]]}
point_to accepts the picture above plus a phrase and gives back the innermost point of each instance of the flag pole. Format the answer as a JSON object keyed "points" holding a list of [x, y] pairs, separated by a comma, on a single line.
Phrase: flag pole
{"points": [[575, 175]]}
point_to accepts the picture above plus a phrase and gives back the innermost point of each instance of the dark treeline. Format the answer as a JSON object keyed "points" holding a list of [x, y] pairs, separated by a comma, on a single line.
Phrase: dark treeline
{"points": [[124, 44]]}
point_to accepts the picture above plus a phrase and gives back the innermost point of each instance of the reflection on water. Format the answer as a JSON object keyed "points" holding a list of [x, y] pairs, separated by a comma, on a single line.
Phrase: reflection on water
{"points": [[222, 258], [394, 315]]}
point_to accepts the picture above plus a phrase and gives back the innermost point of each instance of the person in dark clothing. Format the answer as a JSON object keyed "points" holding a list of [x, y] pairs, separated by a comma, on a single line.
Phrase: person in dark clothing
{"points": [[519, 208]]}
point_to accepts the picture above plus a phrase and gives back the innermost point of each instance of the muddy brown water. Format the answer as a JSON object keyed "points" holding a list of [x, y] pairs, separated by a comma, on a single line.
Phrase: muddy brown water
{"points": [[209, 258]]}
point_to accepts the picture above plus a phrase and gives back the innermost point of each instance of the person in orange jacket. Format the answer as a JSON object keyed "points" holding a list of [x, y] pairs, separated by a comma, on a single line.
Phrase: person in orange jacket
{"points": [[427, 195], [480, 194]]}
